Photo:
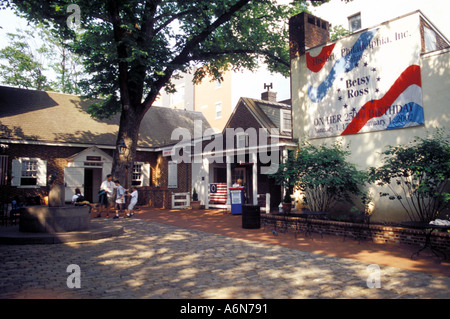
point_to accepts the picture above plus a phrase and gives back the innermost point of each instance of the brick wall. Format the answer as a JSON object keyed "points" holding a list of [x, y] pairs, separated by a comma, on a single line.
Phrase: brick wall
{"points": [[379, 234], [57, 158], [160, 195], [306, 30]]}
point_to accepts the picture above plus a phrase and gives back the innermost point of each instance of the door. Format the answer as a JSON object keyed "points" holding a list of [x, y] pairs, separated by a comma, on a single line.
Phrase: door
{"points": [[73, 178]]}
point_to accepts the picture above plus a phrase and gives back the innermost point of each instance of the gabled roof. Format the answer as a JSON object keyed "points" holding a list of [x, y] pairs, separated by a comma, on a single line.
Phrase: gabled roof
{"points": [[267, 113], [62, 118]]}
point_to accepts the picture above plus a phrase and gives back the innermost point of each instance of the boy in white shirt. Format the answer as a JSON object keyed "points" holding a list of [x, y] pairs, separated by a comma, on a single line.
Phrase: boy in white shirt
{"points": [[133, 202], [120, 198]]}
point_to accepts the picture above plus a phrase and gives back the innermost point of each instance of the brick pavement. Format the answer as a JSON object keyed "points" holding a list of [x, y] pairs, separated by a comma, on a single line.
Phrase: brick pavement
{"points": [[153, 260]]}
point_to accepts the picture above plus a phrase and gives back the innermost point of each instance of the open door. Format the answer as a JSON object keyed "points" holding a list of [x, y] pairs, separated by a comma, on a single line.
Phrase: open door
{"points": [[73, 178]]}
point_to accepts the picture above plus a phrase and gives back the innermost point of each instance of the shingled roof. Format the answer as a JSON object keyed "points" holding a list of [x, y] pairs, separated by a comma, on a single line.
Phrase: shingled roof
{"points": [[266, 112], [62, 118]]}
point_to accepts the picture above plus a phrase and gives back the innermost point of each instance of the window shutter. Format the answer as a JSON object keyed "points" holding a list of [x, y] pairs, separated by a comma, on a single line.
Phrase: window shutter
{"points": [[145, 174], [16, 173], [173, 172], [42, 173]]}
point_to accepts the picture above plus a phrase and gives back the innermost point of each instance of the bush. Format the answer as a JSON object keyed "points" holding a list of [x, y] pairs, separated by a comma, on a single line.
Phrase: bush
{"points": [[323, 175], [417, 175]]}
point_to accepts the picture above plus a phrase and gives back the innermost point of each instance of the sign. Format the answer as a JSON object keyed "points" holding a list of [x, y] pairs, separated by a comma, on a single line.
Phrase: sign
{"points": [[168, 152], [236, 197], [366, 82]]}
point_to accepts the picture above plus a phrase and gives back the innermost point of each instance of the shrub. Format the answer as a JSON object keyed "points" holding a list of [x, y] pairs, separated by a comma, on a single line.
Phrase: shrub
{"points": [[323, 175], [417, 175]]}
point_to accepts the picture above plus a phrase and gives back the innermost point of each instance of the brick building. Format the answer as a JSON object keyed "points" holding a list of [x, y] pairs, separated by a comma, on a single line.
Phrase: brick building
{"points": [[47, 135]]}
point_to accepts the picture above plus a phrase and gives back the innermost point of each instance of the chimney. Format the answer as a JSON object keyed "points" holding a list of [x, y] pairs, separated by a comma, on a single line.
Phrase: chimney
{"points": [[306, 31], [269, 96]]}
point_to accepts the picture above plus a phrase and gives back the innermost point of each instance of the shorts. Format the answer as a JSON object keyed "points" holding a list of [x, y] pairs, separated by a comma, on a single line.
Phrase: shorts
{"points": [[132, 204], [120, 206]]}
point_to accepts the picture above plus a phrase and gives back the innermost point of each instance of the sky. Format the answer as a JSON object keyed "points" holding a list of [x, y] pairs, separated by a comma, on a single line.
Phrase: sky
{"points": [[336, 12]]}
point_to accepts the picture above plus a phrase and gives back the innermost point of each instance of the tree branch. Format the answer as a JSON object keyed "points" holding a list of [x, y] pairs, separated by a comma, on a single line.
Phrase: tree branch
{"points": [[183, 56]]}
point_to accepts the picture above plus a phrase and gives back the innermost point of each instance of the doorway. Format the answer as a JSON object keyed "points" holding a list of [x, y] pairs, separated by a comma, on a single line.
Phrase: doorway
{"points": [[92, 182]]}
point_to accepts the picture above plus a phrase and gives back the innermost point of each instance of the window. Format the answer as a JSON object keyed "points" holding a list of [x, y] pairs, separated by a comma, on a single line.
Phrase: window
{"points": [[141, 174], [29, 172], [173, 174], [137, 175], [354, 22], [241, 140], [218, 110], [430, 39], [286, 120]]}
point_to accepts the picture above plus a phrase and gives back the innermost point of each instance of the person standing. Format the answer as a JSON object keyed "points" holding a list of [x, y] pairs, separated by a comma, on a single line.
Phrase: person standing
{"points": [[120, 198], [105, 194], [133, 202]]}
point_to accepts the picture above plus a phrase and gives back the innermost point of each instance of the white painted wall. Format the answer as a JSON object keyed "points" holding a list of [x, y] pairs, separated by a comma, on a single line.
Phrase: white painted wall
{"points": [[375, 12], [366, 147]]}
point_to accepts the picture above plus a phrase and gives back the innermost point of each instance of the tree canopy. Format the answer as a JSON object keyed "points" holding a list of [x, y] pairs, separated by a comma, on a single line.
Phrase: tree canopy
{"points": [[131, 49]]}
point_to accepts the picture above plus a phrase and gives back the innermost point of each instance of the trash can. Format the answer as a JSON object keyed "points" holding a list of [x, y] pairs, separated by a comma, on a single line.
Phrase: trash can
{"points": [[251, 217]]}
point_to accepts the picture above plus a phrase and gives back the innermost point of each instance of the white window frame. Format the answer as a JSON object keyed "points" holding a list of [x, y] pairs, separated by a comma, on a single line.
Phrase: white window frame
{"points": [[41, 172], [350, 18], [283, 128], [145, 173], [219, 104], [242, 140]]}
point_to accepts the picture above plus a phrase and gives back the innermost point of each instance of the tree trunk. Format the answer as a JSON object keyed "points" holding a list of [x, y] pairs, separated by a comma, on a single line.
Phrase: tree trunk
{"points": [[122, 169]]}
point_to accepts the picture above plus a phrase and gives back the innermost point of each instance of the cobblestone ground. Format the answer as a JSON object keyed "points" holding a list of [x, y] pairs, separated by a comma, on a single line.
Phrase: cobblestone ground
{"points": [[159, 261]]}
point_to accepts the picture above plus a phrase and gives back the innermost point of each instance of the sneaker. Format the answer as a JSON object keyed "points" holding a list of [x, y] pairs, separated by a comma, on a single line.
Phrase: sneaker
{"points": [[128, 215], [132, 214], [116, 217]]}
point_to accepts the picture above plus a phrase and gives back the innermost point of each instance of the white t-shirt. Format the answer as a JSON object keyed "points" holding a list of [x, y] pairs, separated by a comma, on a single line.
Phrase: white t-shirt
{"points": [[134, 196], [120, 194], [108, 187]]}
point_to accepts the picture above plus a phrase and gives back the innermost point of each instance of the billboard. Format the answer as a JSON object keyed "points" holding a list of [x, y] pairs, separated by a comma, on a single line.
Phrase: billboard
{"points": [[369, 81]]}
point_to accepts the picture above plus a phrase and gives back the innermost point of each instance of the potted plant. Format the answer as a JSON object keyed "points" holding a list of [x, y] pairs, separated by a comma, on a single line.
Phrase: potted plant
{"points": [[287, 203], [195, 203]]}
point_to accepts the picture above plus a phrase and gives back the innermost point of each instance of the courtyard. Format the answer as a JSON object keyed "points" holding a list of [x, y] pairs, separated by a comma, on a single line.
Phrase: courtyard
{"points": [[206, 255]]}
